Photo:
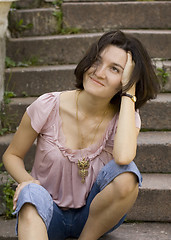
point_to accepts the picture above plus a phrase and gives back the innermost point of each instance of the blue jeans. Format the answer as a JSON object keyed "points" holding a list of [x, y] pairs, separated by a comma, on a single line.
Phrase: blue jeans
{"points": [[62, 224]]}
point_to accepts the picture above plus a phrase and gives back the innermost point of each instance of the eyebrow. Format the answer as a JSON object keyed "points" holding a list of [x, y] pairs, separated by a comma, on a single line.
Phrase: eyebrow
{"points": [[117, 64]]}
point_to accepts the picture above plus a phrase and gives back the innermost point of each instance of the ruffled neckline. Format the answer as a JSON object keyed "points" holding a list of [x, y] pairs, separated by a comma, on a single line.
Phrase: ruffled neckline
{"points": [[91, 151]]}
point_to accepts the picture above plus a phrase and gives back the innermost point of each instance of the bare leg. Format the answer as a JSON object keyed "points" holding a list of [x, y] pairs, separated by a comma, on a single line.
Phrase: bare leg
{"points": [[31, 225], [110, 205]]}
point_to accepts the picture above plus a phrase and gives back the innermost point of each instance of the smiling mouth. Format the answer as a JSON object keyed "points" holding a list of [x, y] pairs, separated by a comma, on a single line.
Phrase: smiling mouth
{"points": [[96, 81]]}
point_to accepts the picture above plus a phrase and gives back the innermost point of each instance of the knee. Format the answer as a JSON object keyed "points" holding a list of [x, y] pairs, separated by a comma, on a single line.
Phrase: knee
{"points": [[125, 184], [27, 213]]}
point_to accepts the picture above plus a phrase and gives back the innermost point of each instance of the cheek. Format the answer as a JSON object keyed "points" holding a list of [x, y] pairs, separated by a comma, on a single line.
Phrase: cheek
{"points": [[116, 79], [116, 82]]}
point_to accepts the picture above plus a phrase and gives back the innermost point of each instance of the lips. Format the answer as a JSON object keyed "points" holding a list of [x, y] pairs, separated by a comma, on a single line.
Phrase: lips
{"points": [[96, 81]]}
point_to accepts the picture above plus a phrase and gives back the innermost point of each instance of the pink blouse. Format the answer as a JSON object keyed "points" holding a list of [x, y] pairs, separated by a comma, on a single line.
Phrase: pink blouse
{"points": [[55, 165]]}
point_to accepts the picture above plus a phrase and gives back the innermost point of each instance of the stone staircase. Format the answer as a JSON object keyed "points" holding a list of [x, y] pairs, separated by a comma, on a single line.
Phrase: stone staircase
{"points": [[45, 59]]}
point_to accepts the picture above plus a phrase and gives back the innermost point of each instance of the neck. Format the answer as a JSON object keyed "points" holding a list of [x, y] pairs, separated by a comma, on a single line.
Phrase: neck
{"points": [[92, 105]]}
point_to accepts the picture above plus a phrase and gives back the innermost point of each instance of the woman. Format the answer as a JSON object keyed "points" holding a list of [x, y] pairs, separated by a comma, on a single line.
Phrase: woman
{"points": [[84, 180]]}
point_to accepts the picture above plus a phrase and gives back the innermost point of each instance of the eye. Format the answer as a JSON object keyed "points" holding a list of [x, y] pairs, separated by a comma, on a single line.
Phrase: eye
{"points": [[114, 69]]}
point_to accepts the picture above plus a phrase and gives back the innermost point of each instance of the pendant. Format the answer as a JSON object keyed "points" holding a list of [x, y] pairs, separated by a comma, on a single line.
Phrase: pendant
{"points": [[82, 166]]}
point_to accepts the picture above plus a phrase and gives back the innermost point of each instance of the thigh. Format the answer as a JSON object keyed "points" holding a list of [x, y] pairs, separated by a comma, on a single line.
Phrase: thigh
{"points": [[57, 228], [77, 218], [125, 176]]}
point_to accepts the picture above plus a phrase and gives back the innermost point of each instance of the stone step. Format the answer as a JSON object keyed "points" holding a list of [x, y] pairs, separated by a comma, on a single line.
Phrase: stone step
{"points": [[155, 115], [69, 49], [34, 81], [43, 21], [127, 231], [154, 199], [164, 67], [33, 22], [28, 4], [153, 152], [109, 15]]}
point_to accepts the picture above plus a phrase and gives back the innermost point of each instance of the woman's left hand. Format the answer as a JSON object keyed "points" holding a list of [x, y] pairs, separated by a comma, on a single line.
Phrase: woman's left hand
{"points": [[129, 67]]}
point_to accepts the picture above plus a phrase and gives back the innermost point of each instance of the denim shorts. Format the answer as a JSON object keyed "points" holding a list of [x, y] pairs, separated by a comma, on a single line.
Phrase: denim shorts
{"points": [[62, 224]]}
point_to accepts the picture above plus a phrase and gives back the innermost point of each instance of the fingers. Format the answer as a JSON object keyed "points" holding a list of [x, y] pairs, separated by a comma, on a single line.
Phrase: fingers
{"points": [[130, 64], [18, 190]]}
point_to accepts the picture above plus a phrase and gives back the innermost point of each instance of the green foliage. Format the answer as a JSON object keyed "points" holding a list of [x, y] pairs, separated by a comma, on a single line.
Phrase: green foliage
{"points": [[9, 62], [7, 96], [5, 119], [163, 75], [60, 30], [59, 17], [33, 61], [20, 26], [3, 131], [58, 3], [13, 5], [24, 94], [70, 30], [8, 193]]}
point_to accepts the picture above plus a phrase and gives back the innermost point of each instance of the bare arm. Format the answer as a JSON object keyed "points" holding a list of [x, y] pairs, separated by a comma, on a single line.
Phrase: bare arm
{"points": [[125, 141], [14, 155]]}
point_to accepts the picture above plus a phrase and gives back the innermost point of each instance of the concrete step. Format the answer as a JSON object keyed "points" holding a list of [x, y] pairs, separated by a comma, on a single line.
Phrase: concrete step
{"points": [[34, 81], [163, 67], [33, 22], [109, 15], [155, 115], [29, 158], [69, 49], [127, 231], [26, 4], [154, 199], [153, 152]]}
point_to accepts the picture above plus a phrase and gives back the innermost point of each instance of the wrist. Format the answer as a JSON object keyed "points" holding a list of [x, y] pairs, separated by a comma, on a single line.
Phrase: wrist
{"points": [[131, 90], [132, 97]]}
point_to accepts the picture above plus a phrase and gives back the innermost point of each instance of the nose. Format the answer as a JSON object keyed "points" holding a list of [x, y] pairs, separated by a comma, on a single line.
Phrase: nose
{"points": [[100, 71]]}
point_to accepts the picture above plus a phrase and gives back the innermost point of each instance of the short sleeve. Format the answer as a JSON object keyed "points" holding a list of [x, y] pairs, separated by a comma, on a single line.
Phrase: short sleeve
{"points": [[40, 110], [137, 119]]}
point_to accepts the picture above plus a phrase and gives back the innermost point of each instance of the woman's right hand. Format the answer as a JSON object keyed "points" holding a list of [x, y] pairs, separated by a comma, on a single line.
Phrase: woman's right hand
{"points": [[129, 67], [19, 188]]}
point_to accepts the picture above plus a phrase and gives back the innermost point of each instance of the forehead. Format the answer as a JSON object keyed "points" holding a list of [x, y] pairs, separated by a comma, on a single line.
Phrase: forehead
{"points": [[114, 54]]}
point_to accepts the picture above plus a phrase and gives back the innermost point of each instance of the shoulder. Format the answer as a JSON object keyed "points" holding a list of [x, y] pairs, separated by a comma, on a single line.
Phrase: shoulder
{"points": [[40, 110], [48, 97], [67, 102], [45, 101]]}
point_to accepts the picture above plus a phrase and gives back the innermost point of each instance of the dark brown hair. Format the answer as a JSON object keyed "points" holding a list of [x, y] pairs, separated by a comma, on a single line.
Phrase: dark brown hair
{"points": [[147, 84]]}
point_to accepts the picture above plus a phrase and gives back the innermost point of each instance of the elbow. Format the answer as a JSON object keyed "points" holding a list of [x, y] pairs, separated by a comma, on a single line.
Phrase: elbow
{"points": [[4, 158], [124, 159]]}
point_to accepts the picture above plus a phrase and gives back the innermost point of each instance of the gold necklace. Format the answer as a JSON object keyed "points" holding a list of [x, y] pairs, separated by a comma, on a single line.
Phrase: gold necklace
{"points": [[84, 164]]}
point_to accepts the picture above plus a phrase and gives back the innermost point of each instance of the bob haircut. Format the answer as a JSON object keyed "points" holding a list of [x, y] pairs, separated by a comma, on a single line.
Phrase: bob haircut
{"points": [[147, 84]]}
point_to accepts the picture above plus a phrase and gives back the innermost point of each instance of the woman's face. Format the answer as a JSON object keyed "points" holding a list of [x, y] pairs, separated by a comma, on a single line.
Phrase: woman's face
{"points": [[103, 78]]}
